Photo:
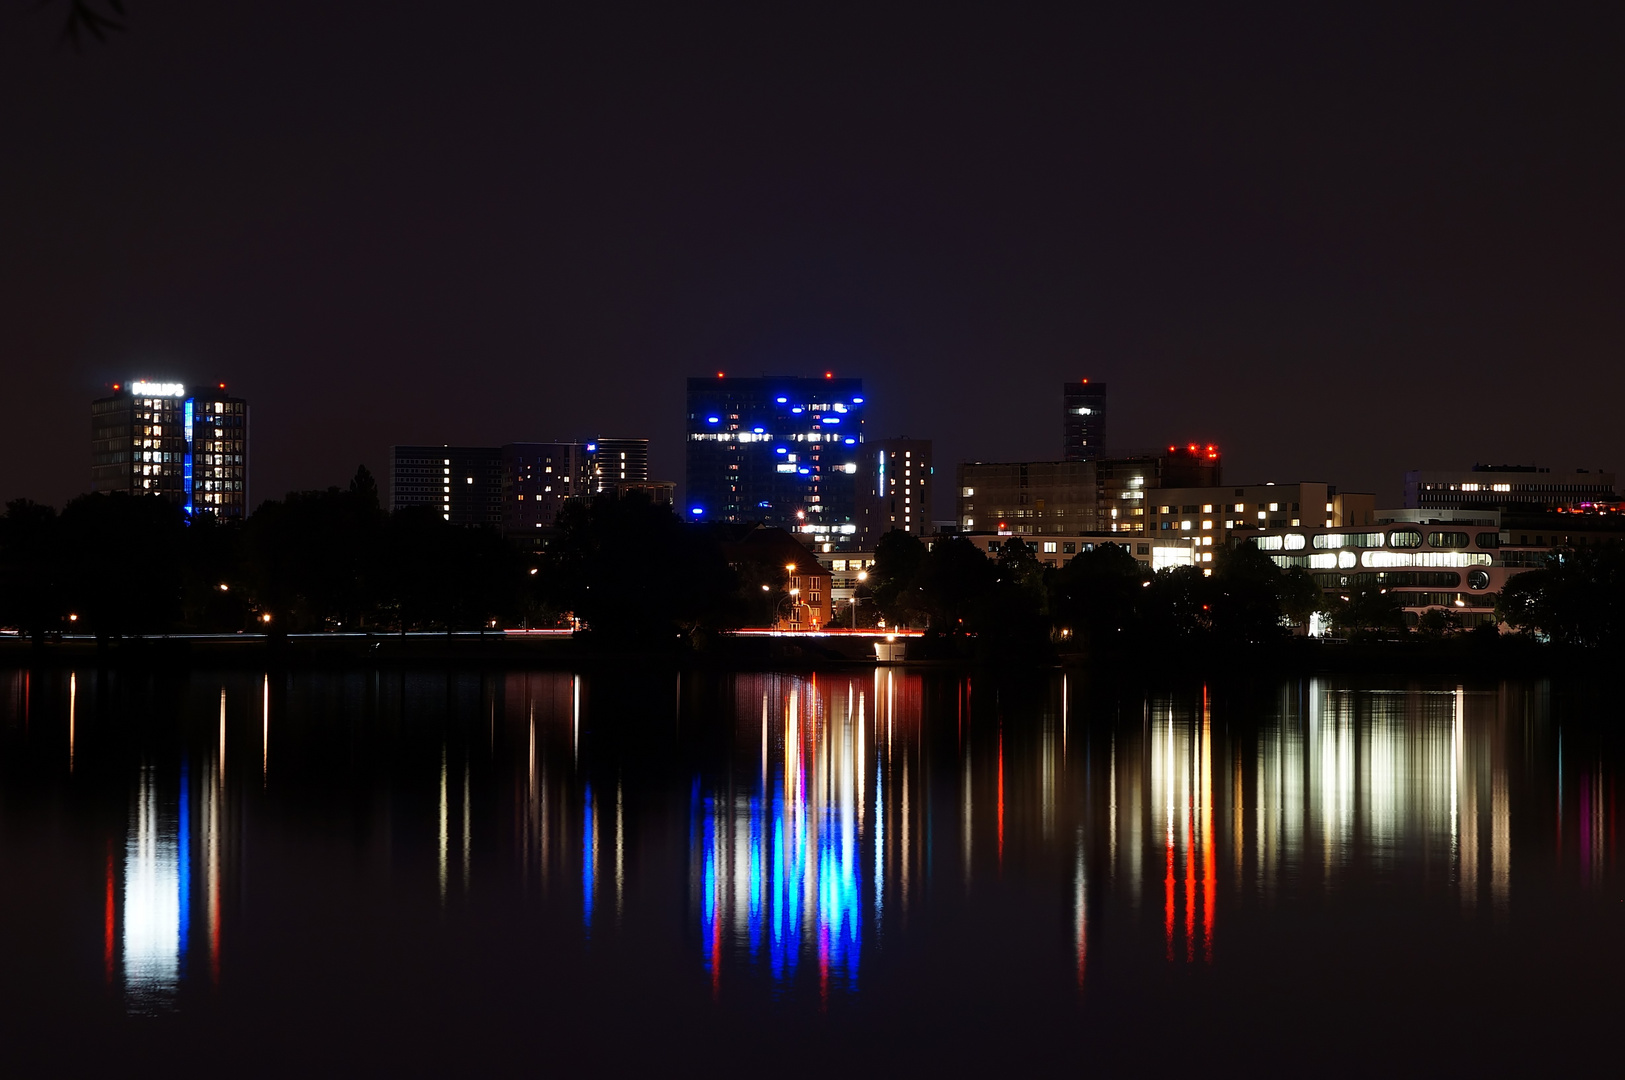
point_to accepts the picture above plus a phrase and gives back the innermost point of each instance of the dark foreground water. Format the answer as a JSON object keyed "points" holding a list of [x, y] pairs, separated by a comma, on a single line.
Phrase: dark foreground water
{"points": [[540, 872]]}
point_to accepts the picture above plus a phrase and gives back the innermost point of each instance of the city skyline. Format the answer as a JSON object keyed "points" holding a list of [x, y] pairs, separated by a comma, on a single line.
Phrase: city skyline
{"points": [[1275, 231]]}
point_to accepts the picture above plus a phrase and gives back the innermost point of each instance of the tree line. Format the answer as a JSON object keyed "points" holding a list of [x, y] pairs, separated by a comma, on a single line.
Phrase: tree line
{"points": [[628, 571]]}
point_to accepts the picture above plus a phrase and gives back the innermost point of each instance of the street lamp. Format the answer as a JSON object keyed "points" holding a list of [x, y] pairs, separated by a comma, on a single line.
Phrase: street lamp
{"points": [[863, 575], [788, 598]]}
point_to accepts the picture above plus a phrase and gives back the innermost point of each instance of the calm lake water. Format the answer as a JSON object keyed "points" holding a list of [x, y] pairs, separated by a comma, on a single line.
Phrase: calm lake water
{"points": [[449, 870]]}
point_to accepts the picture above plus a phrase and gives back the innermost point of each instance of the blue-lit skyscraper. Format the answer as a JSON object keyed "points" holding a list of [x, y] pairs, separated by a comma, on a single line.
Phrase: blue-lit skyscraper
{"points": [[783, 450]]}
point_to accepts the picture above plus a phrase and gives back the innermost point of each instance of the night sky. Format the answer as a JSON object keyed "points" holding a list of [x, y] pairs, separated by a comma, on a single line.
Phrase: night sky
{"points": [[1337, 242]]}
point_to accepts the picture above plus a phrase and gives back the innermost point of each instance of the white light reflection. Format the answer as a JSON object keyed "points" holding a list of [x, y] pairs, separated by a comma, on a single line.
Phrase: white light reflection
{"points": [[152, 901]]}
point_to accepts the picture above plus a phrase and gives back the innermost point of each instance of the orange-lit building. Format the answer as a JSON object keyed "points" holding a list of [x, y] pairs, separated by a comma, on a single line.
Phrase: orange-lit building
{"points": [[768, 552]]}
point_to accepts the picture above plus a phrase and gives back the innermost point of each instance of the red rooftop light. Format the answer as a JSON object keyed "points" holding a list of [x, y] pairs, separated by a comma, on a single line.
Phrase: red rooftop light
{"points": [[719, 375], [829, 374]]}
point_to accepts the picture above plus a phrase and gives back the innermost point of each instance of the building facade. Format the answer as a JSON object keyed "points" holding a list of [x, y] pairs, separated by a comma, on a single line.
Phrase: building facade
{"points": [[1452, 560], [899, 482], [619, 460], [1508, 489], [1212, 515], [780, 450], [537, 478], [1107, 495], [186, 443], [1083, 432], [463, 483]]}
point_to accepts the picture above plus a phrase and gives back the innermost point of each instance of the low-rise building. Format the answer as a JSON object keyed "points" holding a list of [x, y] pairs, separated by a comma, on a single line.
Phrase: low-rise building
{"points": [[807, 602], [1213, 515], [1454, 560], [1157, 553], [1056, 498], [1508, 489]]}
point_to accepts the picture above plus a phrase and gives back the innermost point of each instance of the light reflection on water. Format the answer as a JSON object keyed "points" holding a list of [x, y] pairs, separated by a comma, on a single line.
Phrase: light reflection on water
{"points": [[820, 819]]}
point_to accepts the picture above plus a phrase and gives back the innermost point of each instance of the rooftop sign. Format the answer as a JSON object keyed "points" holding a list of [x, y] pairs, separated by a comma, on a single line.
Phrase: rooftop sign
{"points": [[158, 389]]}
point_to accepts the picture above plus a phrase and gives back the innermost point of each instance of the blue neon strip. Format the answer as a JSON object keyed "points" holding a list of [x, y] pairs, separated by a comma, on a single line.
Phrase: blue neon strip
{"points": [[187, 471]]}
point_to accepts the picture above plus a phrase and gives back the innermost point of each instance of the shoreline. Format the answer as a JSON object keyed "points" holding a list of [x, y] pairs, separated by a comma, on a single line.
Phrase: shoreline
{"points": [[1508, 656]]}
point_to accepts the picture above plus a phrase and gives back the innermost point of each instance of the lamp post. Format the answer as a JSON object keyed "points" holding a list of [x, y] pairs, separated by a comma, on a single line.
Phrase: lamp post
{"points": [[790, 598], [863, 575]]}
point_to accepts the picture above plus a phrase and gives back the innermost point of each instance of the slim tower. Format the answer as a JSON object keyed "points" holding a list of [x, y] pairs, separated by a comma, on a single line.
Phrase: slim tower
{"points": [[1084, 423]]}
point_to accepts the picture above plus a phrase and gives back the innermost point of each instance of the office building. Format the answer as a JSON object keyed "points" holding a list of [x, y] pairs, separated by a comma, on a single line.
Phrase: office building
{"points": [[520, 486], [1027, 497], [537, 478], [1212, 515], [1107, 495], [188, 444], [1508, 488], [1452, 560], [899, 482], [779, 450], [1084, 422], [464, 483]]}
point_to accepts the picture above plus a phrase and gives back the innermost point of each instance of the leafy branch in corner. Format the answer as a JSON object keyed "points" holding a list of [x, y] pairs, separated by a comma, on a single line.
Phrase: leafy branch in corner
{"points": [[91, 19]]}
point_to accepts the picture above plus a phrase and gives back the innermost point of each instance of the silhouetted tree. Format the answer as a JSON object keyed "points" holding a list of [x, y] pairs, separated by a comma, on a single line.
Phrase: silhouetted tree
{"points": [[636, 574], [1300, 595], [313, 560], [1368, 608], [121, 562], [1577, 598], [894, 580], [31, 596], [1244, 597], [1098, 597]]}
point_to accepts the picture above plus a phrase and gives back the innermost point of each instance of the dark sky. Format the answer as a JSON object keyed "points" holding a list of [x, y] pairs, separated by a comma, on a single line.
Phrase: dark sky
{"points": [[1339, 242]]}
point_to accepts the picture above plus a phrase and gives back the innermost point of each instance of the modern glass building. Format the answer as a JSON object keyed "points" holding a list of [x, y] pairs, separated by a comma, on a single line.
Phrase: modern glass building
{"points": [[782, 450], [186, 443]]}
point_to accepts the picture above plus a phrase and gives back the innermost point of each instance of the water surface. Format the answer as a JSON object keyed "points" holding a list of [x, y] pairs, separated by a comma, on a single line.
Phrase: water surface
{"points": [[440, 870]]}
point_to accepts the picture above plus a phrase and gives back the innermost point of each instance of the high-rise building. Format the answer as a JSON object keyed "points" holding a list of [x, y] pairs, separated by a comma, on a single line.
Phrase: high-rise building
{"points": [[188, 444], [899, 483], [464, 483], [1084, 424], [618, 459], [781, 450]]}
